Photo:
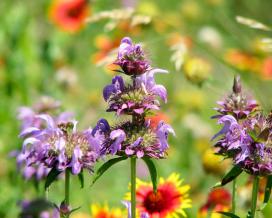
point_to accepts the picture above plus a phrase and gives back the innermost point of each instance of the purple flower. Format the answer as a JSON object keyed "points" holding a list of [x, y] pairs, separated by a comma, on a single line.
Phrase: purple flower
{"points": [[162, 134], [128, 139], [137, 98], [131, 58], [247, 142], [116, 87], [147, 81], [59, 146], [237, 103]]}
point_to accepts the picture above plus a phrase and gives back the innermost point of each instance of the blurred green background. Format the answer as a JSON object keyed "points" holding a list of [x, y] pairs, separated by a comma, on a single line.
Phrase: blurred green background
{"points": [[39, 58]]}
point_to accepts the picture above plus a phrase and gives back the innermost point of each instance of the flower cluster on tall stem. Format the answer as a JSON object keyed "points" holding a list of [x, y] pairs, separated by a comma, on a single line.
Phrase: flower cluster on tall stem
{"points": [[246, 136], [134, 137], [59, 147]]}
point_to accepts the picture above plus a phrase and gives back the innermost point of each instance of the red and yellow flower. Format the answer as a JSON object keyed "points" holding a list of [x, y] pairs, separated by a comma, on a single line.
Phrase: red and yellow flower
{"points": [[98, 211], [218, 200], [170, 200], [69, 15]]}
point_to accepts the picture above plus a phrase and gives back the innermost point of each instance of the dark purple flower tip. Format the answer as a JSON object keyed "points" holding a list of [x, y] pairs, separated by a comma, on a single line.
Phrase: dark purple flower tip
{"points": [[102, 126], [237, 87], [131, 58]]}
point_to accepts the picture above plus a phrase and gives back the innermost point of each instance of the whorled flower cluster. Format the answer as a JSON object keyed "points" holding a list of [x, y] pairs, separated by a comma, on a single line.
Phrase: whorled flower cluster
{"points": [[137, 99], [28, 117], [59, 146], [246, 137]]}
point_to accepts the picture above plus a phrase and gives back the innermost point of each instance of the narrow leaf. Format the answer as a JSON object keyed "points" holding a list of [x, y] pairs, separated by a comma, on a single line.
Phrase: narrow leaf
{"points": [[228, 214], [153, 172], [51, 177], [106, 166], [231, 175], [81, 179]]}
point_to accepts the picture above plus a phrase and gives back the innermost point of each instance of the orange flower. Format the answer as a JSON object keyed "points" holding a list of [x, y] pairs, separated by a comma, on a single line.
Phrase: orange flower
{"points": [[170, 200], [156, 118], [105, 45], [267, 68], [69, 15], [218, 200], [242, 60]]}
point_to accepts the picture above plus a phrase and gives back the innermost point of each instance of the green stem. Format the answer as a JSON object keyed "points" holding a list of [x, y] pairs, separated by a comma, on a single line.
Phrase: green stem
{"points": [[67, 187], [255, 190], [133, 186], [233, 196]]}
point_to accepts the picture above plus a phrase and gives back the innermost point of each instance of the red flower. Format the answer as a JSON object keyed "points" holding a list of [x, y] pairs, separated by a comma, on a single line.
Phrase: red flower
{"points": [[69, 15], [170, 200], [218, 200]]}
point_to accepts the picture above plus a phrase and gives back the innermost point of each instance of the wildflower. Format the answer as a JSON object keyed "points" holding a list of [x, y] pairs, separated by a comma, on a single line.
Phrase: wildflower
{"points": [[136, 99], [266, 70], [69, 15], [59, 146], [128, 139], [246, 133], [237, 103], [98, 211], [30, 120], [170, 200], [248, 142], [218, 200], [131, 58], [197, 70], [242, 60]]}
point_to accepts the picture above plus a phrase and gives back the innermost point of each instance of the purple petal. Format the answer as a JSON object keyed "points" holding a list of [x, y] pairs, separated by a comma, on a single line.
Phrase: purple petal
{"points": [[118, 136], [75, 164]]}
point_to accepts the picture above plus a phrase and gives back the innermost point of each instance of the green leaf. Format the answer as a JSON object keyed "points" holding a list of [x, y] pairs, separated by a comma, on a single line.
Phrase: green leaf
{"points": [[231, 175], [267, 191], [51, 177], [81, 179], [153, 172], [228, 214], [106, 166]]}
